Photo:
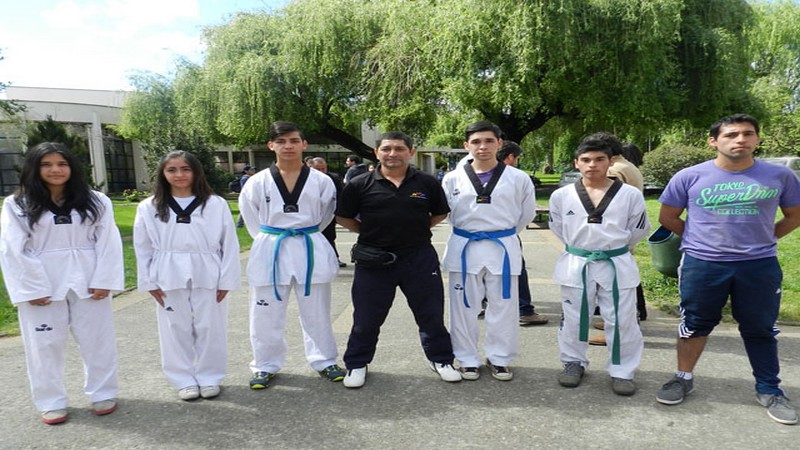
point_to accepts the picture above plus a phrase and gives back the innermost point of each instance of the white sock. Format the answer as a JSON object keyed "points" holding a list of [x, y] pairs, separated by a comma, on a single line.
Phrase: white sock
{"points": [[684, 375]]}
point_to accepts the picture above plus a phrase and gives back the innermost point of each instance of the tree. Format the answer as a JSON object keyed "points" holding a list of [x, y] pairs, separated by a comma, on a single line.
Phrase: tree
{"points": [[303, 64], [331, 65], [775, 46], [609, 63], [150, 116]]}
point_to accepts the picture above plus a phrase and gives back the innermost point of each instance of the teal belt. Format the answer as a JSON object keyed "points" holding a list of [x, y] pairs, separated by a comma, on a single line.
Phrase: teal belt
{"points": [[599, 255], [282, 234], [494, 236]]}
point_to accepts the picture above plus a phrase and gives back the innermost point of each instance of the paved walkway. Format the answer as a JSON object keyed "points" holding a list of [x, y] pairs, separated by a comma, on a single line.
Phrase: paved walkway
{"points": [[405, 405]]}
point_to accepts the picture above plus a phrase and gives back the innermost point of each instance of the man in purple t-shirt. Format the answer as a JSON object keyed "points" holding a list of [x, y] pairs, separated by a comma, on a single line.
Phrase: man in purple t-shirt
{"points": [[729, 241]]}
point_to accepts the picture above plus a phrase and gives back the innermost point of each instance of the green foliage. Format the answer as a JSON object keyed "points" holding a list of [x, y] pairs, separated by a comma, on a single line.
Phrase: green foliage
{"points": [[49, 130], [663, 162], [134, 195], [303, 63], [150, 115], [775, 49], [611, 63], [428, 67]]}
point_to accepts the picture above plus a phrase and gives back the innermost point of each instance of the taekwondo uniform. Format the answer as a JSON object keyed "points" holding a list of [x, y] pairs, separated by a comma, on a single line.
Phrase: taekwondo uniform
{"points": [[486, 265], [62, 258], [597, 259], [289, 250], [189, 257]]}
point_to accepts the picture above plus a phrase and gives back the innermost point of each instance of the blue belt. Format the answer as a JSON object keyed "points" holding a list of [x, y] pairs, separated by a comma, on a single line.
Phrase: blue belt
{"points": [[599, 255], [282, 234], [479, 236]]}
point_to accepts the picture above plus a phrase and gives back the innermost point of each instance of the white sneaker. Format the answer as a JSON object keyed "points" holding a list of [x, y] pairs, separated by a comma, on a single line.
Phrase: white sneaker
{"points": [[446, 371], [209, 391], [189, 393], [356, 378]]}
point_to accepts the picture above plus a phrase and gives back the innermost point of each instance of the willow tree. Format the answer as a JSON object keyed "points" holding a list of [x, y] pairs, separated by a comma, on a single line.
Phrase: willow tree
{"points": [[303, 63], [151, 116], [776, 73], [607, 63]]}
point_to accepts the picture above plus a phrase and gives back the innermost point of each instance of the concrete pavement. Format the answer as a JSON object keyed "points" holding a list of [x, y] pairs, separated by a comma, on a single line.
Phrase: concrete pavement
{"points": [[404, 404]]}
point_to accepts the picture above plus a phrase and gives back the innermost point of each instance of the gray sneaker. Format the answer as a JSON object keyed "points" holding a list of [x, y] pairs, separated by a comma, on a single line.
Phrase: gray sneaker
{"points": [[572, 374], [778, 408], [622, 386], [675, 390]]}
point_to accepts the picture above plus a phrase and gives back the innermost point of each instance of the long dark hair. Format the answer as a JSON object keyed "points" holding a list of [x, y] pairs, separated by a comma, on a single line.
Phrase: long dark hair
{"points": [[33, 196], [162, 191]]}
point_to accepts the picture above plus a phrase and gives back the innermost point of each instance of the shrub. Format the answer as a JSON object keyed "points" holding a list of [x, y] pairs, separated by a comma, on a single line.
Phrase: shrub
{"points": [[134, 195], [663, 162]]}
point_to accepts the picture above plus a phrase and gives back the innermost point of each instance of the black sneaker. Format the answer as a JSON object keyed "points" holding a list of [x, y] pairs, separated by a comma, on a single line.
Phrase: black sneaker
{"points": [[675, 390], [333, 373], [261, 380], [502, 373]]}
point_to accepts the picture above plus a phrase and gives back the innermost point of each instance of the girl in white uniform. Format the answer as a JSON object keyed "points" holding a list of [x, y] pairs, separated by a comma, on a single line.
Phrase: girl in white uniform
{"points": [[61, 255], [187, 253]]}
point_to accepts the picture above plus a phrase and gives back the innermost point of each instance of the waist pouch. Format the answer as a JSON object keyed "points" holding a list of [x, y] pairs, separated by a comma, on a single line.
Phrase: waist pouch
{"points": [[371, 257]]}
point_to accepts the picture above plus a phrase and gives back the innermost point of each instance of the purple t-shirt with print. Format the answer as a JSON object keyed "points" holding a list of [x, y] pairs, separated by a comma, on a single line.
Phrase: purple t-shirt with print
{"points": [[731, 215]]}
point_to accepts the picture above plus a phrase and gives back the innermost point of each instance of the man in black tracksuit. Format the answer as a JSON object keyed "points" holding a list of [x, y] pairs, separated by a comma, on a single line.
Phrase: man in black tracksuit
{"points": [[393, 209]]}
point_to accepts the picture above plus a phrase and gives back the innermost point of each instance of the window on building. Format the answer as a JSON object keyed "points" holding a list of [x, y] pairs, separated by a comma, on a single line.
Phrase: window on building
{"points": [[120, 171], [10, 162]]}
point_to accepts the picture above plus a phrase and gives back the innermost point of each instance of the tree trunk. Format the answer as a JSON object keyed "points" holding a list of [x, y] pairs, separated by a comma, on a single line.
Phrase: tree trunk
{"points": [[348, 141]]}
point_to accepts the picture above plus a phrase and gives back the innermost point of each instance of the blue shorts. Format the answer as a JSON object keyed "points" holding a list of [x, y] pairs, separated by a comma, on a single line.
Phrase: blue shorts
{"points": [[753, 286]]}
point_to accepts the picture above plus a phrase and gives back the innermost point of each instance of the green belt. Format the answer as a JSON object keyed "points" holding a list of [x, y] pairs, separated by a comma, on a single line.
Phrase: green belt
{"points": [[599, 255]]}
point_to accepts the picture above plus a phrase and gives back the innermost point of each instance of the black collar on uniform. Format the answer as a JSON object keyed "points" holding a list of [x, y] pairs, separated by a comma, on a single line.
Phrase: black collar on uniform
{"points": [[290, 198], [183, 215], [596, 214]]}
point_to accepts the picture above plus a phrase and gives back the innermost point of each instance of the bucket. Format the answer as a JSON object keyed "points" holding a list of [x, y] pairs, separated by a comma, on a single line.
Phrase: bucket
{"points": [[665, 250]]}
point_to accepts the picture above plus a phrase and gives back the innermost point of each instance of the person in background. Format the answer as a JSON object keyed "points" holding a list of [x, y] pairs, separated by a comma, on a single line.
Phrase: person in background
{"points": [[354, 168], [247, 172], [509, 155], [329, 232], [61, 255]]}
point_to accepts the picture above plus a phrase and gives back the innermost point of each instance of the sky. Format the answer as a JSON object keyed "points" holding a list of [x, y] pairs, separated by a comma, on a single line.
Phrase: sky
{"points": [[98, 44]]}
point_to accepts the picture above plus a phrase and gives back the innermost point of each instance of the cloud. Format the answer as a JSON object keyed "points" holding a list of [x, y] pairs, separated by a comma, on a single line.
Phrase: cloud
{"points": [[103, 41], [119, 14], [96, 44]]}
